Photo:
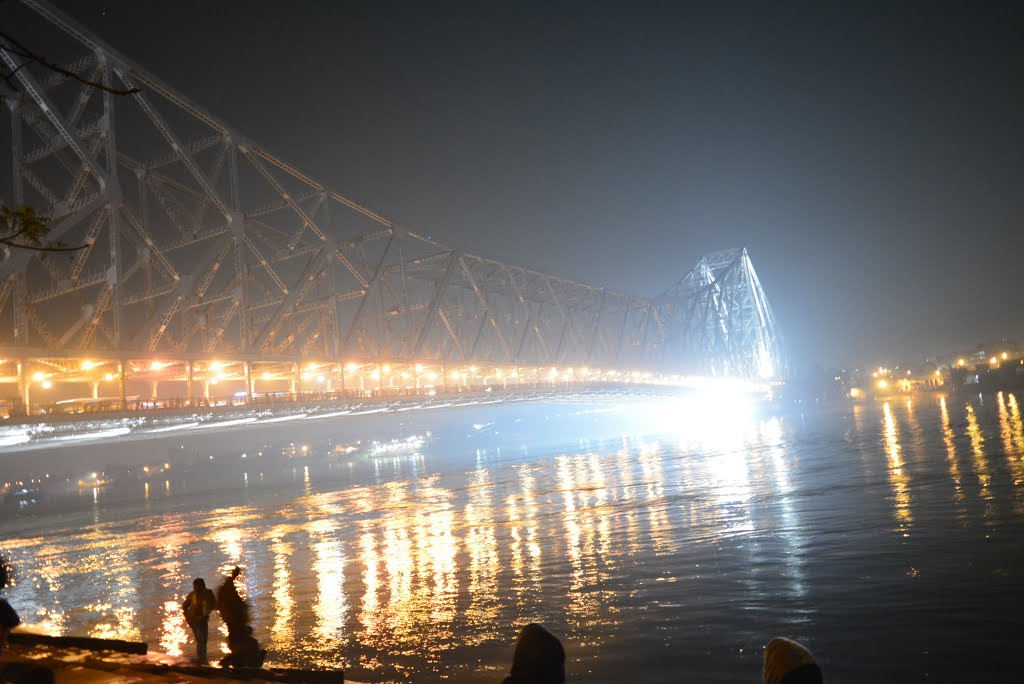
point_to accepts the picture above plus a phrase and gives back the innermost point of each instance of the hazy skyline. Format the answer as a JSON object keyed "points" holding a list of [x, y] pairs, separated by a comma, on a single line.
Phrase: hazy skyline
{"points": [[870, 156]]}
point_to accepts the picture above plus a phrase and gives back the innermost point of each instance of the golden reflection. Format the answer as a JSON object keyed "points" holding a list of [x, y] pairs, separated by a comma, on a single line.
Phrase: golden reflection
{"points": [[118, 615], [948, 436], [482, 547], [399, 563], [52, 620], [578, 603], [1016, 426], [625, 468], [436, 549], [173, 630], [331, 604], [174, 633], [899, 480], [981, 466], [528, 486], [525, 550], [517, 562], [1010, 431], [598, 485], [230, 541], [917, 439], [282, 632], [441, 551], [370, 613], [1017, 431], [582, 483]]}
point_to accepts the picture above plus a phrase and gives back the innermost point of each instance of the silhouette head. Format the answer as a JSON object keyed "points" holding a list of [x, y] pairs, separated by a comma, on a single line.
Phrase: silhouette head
{"points": [[236, 572], [539, 657], [788, 662], [198, 584]]}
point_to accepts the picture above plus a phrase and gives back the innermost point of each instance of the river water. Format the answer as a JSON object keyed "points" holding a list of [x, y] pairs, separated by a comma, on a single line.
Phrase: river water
{"points": [[663, 539]]}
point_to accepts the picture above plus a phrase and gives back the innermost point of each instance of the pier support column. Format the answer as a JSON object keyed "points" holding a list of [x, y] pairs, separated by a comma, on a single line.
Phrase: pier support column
{"points": [[23, 386], [95, 389], [248, 382], [188, 383], [297, 375], [153, 387], [340, 369], [121, 389]]}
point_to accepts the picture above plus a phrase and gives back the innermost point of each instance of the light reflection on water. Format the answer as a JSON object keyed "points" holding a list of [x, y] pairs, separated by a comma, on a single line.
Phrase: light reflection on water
{"points": [[894, 452], [700, 544]]}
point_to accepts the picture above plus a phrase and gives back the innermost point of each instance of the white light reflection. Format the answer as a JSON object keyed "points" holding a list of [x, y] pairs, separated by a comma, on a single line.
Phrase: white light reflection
{"points": [[716, 420], [792, 530]]}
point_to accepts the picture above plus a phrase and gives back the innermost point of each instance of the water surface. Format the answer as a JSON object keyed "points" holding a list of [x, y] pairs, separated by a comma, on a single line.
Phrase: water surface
{"points": [[664, 540]]}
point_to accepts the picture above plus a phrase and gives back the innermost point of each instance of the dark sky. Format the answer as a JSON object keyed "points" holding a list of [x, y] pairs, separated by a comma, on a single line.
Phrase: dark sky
{"points": [[870, 155]]}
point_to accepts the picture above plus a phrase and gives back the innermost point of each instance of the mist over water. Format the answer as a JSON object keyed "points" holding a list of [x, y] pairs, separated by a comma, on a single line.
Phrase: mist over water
{"points": [[663, 540]]}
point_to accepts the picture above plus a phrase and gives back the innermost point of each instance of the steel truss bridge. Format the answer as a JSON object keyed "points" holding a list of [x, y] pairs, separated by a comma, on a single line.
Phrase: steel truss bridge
{"points": [[209, 260]]}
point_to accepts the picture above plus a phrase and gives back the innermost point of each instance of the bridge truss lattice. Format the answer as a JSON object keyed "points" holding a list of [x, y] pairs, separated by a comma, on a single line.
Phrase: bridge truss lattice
{"points": [[202, 244]]}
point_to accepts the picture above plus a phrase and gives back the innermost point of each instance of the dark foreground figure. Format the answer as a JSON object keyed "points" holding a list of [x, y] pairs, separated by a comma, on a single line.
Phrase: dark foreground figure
{"points": [[245, 650], [8, 616], [539, 658], [787, 662]]}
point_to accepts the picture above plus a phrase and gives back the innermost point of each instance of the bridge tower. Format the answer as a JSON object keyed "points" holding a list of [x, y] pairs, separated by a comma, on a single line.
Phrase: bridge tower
{"points": [[721, 321]]}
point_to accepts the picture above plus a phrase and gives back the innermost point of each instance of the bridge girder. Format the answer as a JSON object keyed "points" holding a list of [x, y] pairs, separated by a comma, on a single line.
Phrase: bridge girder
{"points": [[200, 242]]}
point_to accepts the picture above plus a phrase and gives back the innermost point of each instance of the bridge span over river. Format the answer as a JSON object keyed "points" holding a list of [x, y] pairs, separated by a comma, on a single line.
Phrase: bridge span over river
{"points": [[212, 268]]}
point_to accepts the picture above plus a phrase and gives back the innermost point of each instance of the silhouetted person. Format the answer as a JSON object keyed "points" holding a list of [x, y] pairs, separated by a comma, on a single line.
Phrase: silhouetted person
{"points": [[539, 658], [8, 616], [245, 650], [197, 607], [787, 662]]}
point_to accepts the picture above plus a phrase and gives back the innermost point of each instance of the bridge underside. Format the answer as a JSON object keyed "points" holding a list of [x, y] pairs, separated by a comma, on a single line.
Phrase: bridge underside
{"points": [[202, 250]]}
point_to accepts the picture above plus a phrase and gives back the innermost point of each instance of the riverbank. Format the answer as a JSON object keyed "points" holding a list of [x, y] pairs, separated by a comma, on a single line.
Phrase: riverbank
{"points": [[80, 666]]}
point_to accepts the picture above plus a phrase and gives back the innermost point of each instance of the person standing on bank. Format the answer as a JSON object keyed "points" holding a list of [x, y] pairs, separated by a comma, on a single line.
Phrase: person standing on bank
{"points": [[197, 608], [8, 616]]}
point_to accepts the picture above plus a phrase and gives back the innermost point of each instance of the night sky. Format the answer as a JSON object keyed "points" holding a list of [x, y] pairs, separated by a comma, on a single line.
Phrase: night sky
{"points": [[870, 155]]}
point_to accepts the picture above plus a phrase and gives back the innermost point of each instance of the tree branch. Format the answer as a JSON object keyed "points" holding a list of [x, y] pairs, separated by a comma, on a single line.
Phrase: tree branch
{"points": [[40, 248], [17, 48]]}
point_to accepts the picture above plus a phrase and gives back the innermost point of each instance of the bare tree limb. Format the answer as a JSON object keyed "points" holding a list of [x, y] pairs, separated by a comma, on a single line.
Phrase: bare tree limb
{"points": [[40, 248], [16, 48]]}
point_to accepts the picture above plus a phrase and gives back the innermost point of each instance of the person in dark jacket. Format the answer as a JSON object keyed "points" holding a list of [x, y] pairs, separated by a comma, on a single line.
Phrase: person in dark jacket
{"points": [[538, 659], [197, 607]]}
